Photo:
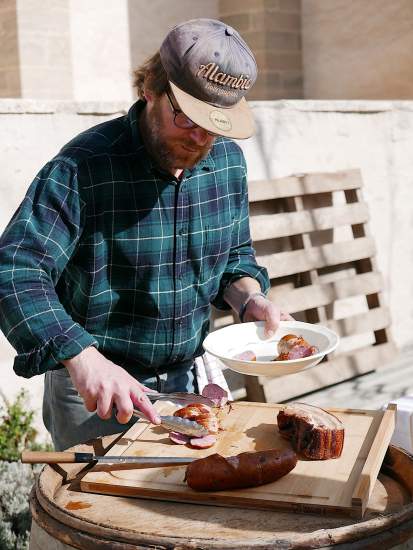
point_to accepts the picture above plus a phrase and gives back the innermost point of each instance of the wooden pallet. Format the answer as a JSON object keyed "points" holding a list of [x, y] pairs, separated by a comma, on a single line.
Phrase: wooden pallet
{"points": [[310, 232]]}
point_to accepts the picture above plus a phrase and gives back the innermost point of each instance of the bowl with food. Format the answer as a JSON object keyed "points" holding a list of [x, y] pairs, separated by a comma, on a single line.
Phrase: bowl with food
{"points": [[294, 347]]}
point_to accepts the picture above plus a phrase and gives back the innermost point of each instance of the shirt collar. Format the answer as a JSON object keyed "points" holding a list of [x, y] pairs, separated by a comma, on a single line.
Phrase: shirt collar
{"points": [[137, 141], [207, 163]]}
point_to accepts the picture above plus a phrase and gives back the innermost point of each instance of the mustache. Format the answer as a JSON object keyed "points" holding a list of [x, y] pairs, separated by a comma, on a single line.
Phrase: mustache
{"points": [[196, 147]]}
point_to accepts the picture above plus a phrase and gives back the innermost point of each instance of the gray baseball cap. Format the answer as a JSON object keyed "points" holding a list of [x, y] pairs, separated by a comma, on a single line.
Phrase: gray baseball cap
{"points": [[210, 69]]}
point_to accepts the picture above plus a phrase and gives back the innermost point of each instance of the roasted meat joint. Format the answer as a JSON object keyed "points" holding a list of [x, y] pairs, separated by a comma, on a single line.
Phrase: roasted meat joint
{"points": [[314, 433], [294, 347], [207, 416]]}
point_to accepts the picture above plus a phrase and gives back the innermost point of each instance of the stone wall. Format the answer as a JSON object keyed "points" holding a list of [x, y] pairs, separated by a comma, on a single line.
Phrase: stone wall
{"points": [[358, 50], [149, 22], [10, 85], [100, 50], [35, 48], [292, 137], [272, 29], [71, 49]]}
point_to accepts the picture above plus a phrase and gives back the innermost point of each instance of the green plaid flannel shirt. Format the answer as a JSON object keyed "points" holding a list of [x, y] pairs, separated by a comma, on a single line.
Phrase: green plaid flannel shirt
{"points": [[106, 250]]}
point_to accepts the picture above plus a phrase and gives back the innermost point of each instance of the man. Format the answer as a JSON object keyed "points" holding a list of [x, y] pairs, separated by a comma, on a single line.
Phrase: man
{"points": [[124, 239]]}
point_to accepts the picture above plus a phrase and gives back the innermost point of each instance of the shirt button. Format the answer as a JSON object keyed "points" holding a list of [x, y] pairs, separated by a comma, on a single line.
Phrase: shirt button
{"points": [[182, 231]]}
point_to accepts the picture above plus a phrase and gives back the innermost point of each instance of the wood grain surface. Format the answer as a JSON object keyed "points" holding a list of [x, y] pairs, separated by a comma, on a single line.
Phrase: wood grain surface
{"points": [[340, 486]]}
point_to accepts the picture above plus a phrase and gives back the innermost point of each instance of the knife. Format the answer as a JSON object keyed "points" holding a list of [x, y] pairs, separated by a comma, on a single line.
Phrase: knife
{"points": [[178, 424], [181, 397], [37, 457]]}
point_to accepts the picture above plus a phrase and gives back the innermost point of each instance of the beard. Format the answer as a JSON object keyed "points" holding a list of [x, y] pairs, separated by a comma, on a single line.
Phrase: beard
{"points": [[170, 153]]}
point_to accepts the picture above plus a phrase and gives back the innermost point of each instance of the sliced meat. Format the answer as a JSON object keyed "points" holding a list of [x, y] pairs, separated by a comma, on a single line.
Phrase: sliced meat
{"points": [[216, 473], [203, 442], [178, 438], [209, 422], [193, 410], [247, 355], [298, 352], [287, 342], [294, 347], [217, 394], [314, 433], [202, 414]]}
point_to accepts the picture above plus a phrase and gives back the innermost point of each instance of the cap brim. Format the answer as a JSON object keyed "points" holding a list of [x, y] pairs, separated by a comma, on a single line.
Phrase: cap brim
{"points": [[234, 122]]}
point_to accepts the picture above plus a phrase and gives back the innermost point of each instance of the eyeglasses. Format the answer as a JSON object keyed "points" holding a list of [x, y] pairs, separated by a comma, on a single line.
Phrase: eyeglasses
{"points": [[181, 120]]}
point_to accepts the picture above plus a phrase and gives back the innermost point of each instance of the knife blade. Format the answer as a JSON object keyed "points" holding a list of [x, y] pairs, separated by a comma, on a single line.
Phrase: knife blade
{"points": [[181, 397], [55, 457], [177, 424]]}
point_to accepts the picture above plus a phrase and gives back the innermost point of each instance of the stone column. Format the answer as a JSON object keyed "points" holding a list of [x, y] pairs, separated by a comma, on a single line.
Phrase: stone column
{"points": [[358, 50], [272, 29], [36, 50], [10, 85]]}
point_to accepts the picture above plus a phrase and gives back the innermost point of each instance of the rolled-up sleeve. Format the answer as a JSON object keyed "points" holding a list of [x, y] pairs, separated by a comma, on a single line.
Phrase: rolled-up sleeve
{"points": [[241, 261], [35, 247]]}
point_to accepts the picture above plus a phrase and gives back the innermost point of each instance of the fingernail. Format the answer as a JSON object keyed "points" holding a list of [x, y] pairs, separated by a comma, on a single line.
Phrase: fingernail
{"points": [[269, 333], [157, 419]]}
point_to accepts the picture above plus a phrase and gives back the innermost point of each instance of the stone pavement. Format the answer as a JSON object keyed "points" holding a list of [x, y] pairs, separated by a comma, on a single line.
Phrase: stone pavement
{"points": [[371, 390]]}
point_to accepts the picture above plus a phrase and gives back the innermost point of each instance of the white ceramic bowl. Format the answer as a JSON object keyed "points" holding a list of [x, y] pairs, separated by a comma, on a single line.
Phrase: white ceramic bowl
{"points": [[229, 341]]}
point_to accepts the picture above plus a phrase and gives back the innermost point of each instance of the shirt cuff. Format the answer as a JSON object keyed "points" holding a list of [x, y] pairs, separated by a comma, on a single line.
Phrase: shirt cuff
{"points": [[56, 349]]}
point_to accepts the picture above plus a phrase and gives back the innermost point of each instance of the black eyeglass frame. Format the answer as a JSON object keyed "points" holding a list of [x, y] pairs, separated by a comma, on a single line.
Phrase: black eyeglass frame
{"points": [[192, 124]]}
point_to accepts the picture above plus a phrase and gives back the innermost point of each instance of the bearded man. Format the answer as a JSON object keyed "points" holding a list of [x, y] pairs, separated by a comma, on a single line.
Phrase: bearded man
{"points": [[110, 265]]}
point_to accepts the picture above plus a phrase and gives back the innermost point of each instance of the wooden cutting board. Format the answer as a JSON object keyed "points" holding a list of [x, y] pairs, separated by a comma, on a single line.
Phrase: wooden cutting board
{"points": [[341, 485]]}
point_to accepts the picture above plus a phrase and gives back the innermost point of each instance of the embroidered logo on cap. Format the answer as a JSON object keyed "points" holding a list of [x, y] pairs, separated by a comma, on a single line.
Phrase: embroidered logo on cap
{"points": [[220, 121], [212, 72]]}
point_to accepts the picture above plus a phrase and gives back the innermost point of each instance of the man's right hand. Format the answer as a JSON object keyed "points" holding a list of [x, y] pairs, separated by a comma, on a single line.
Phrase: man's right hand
{"points": [[104, 385]]}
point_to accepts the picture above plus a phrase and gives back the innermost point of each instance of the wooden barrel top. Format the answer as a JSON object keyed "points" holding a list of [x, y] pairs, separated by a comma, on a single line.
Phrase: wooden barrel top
{"points": [[89, 521]]}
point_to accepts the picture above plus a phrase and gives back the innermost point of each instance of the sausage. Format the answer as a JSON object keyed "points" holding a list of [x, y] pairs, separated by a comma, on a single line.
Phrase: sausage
{"points": [[250, 469]]}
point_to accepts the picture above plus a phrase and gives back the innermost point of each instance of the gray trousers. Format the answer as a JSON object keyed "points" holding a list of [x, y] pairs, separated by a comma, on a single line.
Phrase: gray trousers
{"points": [[70, 423]]}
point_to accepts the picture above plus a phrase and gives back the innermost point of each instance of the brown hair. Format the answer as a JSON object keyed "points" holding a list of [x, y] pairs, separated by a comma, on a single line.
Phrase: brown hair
{"points": [[150, 75]]}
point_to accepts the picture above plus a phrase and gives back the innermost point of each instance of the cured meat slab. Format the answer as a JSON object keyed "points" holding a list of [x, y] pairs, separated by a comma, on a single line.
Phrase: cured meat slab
{"points": [[337, 486]]}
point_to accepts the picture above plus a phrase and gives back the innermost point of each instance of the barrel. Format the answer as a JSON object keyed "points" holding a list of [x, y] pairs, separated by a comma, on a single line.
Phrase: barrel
{"points": [[64, 517]]}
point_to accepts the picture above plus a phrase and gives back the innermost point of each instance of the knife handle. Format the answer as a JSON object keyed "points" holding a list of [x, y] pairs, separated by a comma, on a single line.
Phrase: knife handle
{"points": [[54, 457]]}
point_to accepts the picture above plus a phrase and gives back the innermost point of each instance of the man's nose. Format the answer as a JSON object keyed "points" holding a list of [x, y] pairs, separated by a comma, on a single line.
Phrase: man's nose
{"points": [[199, 136]]}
